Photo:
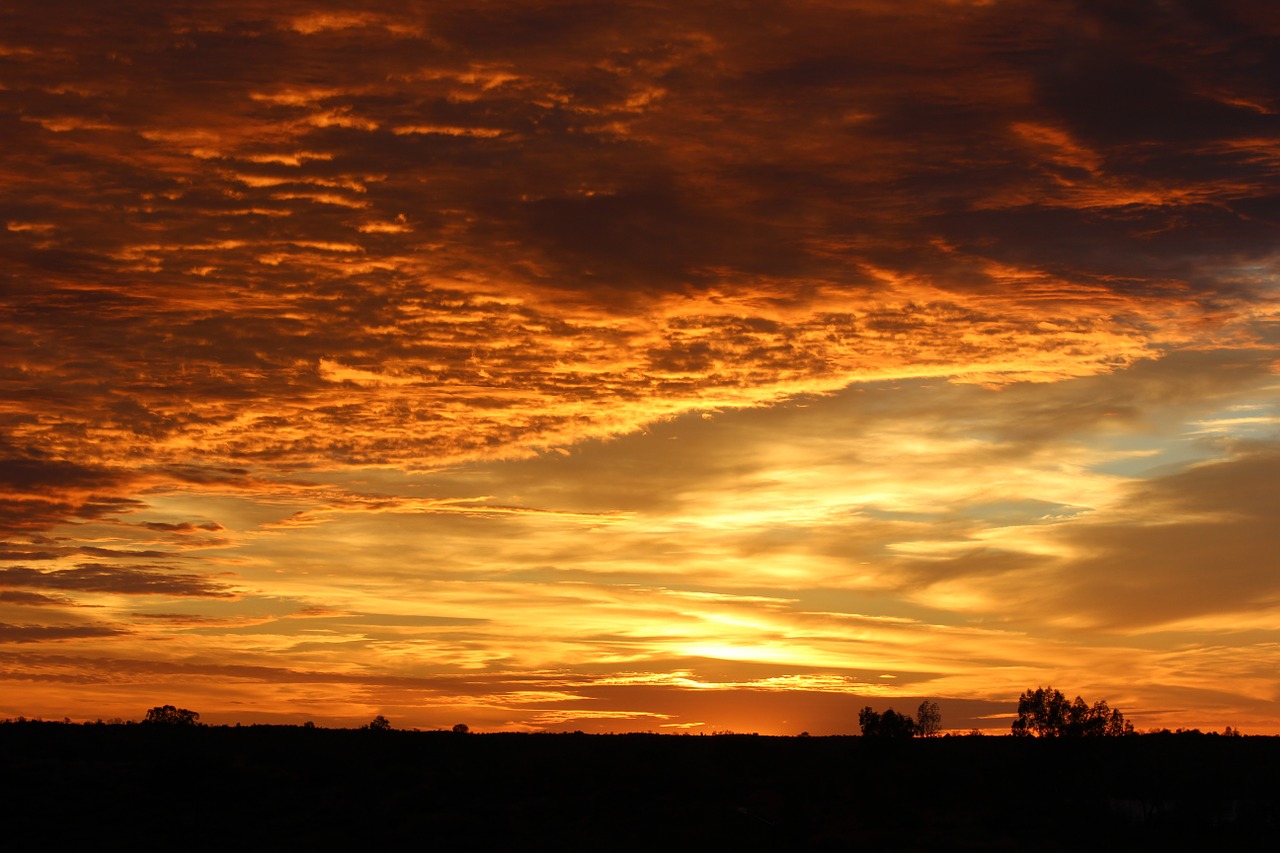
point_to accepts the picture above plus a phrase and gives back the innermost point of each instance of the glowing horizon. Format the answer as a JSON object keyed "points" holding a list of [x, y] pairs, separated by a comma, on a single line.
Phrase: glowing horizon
{"points": [[543, 366]]}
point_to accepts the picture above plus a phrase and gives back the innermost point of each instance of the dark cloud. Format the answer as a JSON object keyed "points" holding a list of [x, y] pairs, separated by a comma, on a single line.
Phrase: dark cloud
{"points": [[33, 599], [1113, 98], [116, 579], [20, 553], [116, 553], [53, 633], [206, 474], [52, 663], [35, 475], [183, 527], [183, 619], [606, 158], [39, 492]]}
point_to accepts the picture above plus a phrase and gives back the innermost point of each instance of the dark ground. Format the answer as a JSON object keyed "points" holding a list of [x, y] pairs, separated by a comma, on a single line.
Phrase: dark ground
{"points": [[151, 787]]}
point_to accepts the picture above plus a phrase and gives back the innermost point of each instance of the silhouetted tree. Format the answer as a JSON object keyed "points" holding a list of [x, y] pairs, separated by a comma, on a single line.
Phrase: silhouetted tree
{"points": [[890, 724], [1042, 712], [1045, 712], [868, 722], [1117, 725], [928, 719], [461, 729], [168, 715], [1097, 720], [379, 724]]}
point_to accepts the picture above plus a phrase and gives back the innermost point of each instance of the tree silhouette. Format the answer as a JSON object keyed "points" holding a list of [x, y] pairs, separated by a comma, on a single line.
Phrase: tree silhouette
{"points": [[890, 724], [928, 719], [1045, 712], [461, 729], [168, 715], [379, 724], [1041, 712]]}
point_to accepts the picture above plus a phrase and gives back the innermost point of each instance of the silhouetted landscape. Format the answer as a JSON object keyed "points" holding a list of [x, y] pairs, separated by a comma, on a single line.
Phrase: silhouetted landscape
{"points": [[139, 786], [540, 365]]}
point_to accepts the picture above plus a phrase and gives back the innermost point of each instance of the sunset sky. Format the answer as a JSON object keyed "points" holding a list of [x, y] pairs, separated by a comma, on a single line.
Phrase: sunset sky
{"points": [[670, 366]]}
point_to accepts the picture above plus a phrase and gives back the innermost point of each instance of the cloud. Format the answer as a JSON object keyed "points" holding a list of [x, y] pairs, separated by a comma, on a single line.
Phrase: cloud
{"points": [[53, 633], [33, 599], [1189, 546], [118, 554], [183, 527], [702, 217], [40, 491], [119, 580], [41, 475], [23, 553]]}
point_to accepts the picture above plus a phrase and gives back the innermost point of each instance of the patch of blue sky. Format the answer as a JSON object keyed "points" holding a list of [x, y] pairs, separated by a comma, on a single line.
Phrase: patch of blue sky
{"points": [[1143, 455]]}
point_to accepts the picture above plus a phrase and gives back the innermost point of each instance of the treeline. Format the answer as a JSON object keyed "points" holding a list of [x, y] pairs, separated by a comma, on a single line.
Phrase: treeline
{"points": [[190, 786]]}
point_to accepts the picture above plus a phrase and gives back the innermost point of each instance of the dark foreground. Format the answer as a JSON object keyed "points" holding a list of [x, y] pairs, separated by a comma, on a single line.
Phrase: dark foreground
{"points": [[280, 788]]}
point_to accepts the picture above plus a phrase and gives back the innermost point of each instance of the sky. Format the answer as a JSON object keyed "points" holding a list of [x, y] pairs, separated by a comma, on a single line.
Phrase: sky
{"points": [[646, 366]]}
